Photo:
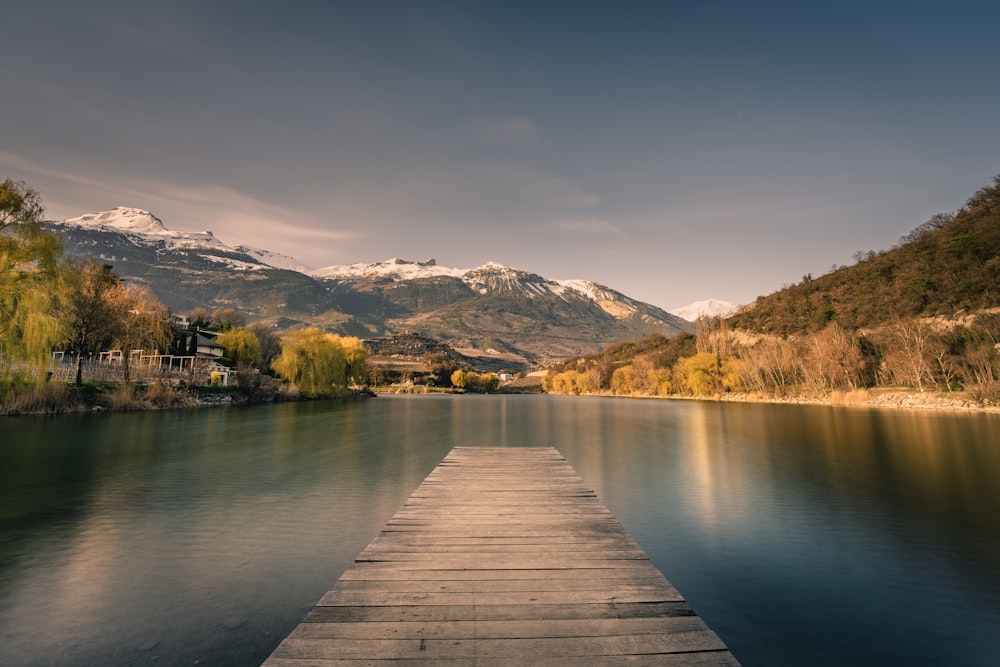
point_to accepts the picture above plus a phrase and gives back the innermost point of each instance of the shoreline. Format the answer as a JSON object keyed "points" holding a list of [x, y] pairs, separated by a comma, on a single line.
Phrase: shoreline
{"points": [[101, 403], [882, 399]]}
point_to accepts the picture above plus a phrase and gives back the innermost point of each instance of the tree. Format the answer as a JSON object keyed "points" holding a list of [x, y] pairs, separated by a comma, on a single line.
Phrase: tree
{"points": [[484, 384], [199, 318], [270, 343], [225, 319], [243, 350], [20, 205], [489, 383], [29, 277], [320, 363], [700, 374], [913, 345], [623, 380], [242, 346], [144, 322], [567, 382], [440, 366], [357, 360], [831, 359], [91, 314]]}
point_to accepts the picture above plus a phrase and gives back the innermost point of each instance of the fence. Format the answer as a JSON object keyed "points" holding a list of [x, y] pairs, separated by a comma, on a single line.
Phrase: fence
{"points": [[63, 368]]}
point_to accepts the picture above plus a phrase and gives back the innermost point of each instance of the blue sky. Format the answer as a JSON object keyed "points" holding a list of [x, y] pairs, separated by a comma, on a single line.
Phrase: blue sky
{"points": [[671, 151]]}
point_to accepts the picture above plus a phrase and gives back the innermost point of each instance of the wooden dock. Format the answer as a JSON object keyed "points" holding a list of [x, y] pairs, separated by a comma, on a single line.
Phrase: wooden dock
{"points": [[502, 556]]}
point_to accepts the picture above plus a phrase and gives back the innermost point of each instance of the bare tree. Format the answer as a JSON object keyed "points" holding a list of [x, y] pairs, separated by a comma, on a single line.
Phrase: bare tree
{"points": [[92, 317], [913, 345], [144, 322]]}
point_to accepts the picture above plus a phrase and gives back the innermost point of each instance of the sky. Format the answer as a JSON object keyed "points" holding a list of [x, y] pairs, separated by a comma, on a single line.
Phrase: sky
{"points": [[671, 151]]}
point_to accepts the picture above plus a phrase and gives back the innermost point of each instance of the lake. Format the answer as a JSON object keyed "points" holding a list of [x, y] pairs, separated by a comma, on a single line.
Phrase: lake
{"points": [[801, 534]]}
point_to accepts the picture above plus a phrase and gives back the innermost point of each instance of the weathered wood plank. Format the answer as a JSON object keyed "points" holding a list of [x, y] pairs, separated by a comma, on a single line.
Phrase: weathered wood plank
{"points": [[489, 612], [595, 627], [518, 649], [501, 556], [702, 659], [348, 598]]}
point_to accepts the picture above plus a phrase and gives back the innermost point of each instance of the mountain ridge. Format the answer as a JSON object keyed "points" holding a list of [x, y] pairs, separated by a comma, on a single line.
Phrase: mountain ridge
{"points": [[490, 306]]}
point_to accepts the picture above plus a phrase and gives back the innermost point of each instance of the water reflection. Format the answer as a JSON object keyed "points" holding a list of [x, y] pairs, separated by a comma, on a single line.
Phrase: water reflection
{"points": [[802, 534]]}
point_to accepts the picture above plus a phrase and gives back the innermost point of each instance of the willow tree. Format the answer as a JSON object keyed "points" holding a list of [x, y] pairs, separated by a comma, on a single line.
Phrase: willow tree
{"points": [[242, 346], [320, 363], [29, 278]]}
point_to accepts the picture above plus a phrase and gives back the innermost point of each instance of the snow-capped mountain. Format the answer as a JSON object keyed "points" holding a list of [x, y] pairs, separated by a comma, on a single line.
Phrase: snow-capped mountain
{"points": [[142, 227], [706, 308], [491, 306], [395, 268], [493, 278]]}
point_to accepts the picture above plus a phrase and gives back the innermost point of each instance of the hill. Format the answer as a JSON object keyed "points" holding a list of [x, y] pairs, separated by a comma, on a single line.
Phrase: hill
{"points": [[947, 267], [922, 317]]}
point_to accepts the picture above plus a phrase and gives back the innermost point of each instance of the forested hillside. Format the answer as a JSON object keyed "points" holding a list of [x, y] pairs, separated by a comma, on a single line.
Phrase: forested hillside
{"points": [[947, 266], [923, 316]]}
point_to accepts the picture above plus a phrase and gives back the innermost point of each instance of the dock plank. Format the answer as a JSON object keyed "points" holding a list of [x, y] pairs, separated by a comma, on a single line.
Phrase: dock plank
{"points": [[502, 556]]}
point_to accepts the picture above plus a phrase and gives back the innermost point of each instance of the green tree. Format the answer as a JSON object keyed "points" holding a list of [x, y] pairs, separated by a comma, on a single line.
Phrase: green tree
{"points": [[29, 278]]}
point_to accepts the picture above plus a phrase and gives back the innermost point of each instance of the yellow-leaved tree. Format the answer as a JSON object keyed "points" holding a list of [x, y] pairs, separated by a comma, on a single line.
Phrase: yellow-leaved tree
{"points": [[242, 346], [320, 363]]}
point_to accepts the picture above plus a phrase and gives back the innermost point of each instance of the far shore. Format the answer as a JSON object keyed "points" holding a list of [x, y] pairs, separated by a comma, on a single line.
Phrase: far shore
{"points": [[870, 399], [881, 399], [105, 399]]}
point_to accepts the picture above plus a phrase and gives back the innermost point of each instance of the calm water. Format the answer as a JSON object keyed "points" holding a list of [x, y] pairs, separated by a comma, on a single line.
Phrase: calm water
{"points": [[803, 535]]}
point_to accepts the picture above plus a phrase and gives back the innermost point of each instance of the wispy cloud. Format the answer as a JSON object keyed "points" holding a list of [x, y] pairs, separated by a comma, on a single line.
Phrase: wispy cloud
{"points": [[556, 192], [21, 163], [587, 226], [236, 217], [510, 130]]}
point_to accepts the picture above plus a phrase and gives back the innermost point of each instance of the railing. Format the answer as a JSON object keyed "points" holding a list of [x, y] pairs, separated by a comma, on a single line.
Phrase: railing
{"points": [[63, 368]]}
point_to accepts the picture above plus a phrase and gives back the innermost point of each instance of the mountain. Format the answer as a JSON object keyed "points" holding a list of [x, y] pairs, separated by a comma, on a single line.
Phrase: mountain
{"points": [[491, 307], [190, 270], [706, 308], [144, 228], [496, 307]]}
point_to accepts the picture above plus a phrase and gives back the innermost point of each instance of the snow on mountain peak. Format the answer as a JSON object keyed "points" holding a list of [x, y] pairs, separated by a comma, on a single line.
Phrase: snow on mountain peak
{"points": [[144, 227], [137, 222], [395, 268], [122, 218], [706, 308]]}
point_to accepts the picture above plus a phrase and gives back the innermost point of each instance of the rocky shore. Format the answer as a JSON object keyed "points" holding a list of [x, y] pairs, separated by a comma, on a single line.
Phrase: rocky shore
{"points": [[956, 401]]}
